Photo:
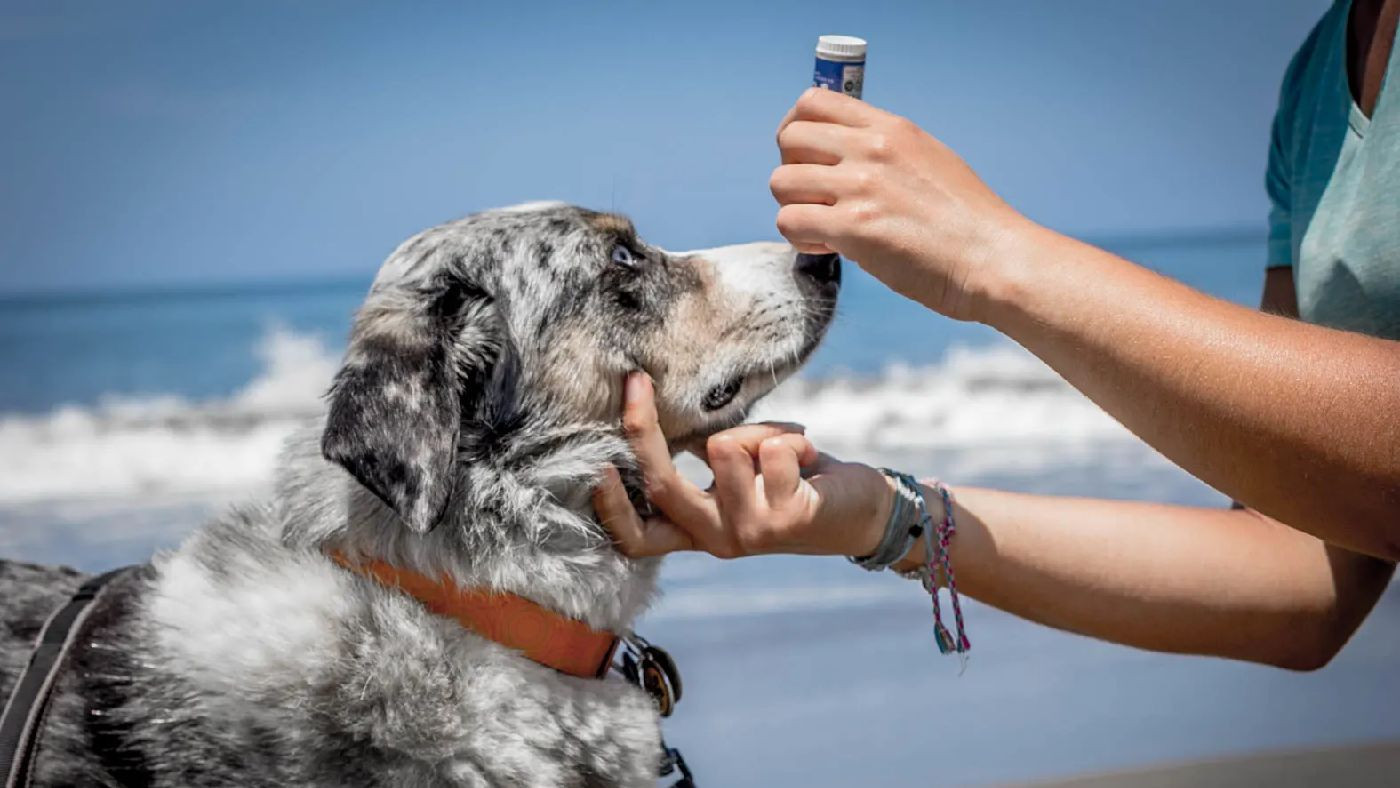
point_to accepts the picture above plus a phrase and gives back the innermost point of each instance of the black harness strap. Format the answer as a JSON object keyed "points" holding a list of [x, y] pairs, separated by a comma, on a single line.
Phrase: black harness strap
{"points": [[23, 715]]}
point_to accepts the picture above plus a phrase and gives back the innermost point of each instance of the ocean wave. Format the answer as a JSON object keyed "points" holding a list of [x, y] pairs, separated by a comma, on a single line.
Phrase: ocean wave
{"points": [[998, 406], [160, 445], [975, 397]]}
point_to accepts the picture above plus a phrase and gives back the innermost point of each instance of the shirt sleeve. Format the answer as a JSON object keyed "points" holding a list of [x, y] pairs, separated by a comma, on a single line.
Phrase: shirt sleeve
{"points": [[1277, 184], [1278, 181]]}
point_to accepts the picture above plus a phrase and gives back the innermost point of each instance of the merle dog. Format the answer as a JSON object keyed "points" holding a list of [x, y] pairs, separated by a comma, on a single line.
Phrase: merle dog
{"points": [[476, 407]]}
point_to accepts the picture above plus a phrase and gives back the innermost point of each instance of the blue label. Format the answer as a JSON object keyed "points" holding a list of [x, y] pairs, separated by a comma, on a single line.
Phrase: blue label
{"points": [[839, 76]]}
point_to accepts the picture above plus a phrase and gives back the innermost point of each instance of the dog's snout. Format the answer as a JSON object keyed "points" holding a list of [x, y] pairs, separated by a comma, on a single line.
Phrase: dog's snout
{"points": [[825, 268]]}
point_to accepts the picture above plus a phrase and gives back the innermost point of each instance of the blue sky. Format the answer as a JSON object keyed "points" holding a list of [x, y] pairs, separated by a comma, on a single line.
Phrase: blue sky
{"points": [[177, 143]]}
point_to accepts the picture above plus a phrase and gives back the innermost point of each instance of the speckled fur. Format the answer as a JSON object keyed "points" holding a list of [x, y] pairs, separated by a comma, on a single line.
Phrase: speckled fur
{"points": [[453, 442]]}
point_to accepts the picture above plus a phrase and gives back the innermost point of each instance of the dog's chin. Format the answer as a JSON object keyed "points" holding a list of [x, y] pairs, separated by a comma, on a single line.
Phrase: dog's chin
{"points": [[693, 440], [756, 385]]}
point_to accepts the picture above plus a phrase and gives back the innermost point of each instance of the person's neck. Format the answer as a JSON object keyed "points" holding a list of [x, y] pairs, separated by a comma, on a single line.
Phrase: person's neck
{"points": [[1370, 38]]}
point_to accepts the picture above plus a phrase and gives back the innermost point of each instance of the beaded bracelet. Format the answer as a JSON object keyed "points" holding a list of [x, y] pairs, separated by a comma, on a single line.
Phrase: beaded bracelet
{"points": [[909, 519]]}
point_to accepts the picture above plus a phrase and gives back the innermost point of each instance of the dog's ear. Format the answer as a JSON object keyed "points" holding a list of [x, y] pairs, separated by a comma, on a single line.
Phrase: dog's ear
{"points": [[416, 363]]}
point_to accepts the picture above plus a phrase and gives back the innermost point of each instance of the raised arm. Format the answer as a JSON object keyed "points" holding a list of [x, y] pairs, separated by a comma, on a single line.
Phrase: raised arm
{"points": [[1294, 420], [1297, 421]]}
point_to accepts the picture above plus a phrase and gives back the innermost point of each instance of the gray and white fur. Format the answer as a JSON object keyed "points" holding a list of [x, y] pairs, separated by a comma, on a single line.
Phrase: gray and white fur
{"points": [[476, 407]]}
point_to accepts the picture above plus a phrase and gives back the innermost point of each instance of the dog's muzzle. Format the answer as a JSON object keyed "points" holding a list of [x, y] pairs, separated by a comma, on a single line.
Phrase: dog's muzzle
{"points": [[824, 269]]}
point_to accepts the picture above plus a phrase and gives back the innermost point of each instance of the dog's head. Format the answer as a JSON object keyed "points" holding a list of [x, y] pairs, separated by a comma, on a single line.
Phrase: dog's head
{"points": [[532, 315]]}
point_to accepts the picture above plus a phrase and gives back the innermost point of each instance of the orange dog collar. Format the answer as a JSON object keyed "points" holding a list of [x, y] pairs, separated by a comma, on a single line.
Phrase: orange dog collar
{"points": [[549, 638]]}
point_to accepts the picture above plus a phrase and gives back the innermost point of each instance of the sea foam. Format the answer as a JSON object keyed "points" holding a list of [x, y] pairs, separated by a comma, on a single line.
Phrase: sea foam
{"points": [[993, 406]]}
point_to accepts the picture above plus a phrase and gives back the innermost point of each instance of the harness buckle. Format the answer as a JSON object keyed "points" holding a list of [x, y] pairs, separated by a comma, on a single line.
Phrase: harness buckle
{"points": [[654, 670], [671, 761]]}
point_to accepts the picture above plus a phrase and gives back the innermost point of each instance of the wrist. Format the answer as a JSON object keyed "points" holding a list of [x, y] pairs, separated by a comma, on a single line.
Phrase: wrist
{"points": [[866, 537], [914, 557], [1006, 271]]}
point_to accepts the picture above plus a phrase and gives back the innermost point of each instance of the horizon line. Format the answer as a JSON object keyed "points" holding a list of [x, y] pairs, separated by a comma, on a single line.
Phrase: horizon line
{"points": [[1129, 240]]}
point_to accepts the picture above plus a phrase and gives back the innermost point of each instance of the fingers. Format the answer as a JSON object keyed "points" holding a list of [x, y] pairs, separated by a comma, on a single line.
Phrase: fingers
{"points": [[788, 117], [749, 436], [733, 468], [778, 460], [801, 447], [804, 183], [828, 106], [635, 537], [805, 142], [666, 488], [643, 426], [817, 131], [808, 226]]}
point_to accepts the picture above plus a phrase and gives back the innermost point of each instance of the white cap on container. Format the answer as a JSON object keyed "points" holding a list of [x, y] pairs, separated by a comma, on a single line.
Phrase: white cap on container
{"points": [[841, 47]]}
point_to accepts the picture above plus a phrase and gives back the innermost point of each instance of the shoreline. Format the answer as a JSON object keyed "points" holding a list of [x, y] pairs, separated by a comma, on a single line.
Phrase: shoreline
{"points": [[1374, 764]]}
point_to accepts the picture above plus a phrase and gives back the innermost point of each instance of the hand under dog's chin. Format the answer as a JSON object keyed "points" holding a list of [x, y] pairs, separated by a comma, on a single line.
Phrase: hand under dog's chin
{"points": [[693, 440]]}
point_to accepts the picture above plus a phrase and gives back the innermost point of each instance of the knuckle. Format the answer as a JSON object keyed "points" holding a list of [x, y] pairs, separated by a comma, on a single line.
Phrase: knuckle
{"points": [[787, 221], [658, 485], [777, 182], [861, 215], [879, 146], [635, 424], [716, 445], [784, 135], [752, 540], [727, 550], [863, 181]]}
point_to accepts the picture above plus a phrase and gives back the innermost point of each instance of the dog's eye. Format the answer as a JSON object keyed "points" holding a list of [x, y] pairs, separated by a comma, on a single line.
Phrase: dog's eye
{"points": [[623, 256]]}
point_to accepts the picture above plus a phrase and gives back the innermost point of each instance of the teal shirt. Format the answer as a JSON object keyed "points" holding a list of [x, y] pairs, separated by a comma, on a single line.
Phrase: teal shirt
{"points": [[1334, 185]]}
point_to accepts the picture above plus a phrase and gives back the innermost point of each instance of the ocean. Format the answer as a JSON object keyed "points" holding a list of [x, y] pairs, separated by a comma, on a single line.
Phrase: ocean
{"points": [[126, 418]]}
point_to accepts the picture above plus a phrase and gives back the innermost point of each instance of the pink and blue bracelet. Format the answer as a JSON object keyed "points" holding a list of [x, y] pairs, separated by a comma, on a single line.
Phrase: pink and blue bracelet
{"points": [[909, 519]]}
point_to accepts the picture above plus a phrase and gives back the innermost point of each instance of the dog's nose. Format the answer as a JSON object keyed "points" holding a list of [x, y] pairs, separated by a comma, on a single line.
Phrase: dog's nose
{"points": [[825, 268]]}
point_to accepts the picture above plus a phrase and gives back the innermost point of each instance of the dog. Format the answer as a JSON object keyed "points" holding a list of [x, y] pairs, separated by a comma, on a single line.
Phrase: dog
{"points": [[476, 408]]}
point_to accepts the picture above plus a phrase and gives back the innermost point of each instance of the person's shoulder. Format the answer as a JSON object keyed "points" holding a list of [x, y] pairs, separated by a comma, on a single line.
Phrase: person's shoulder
{"points": [[1312, 54]]}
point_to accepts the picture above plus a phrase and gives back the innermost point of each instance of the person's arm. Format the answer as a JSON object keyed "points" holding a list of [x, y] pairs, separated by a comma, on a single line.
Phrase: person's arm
{"points": [[1297, 421], [1169, 578], [1229, 583]]}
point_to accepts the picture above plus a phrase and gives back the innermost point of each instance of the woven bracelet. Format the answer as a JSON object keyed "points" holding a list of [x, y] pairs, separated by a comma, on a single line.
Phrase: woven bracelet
{"points": [[902, 528], [939, 558], [909, 519]]}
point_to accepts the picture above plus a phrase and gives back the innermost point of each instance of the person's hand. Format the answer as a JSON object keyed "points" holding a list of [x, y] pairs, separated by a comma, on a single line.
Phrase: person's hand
{"points": [[773, 493], [880, 191]]}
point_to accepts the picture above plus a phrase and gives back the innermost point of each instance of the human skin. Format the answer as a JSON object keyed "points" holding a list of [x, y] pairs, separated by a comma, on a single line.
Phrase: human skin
{"points": [[1295, 421]]}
